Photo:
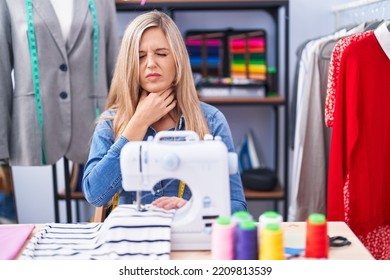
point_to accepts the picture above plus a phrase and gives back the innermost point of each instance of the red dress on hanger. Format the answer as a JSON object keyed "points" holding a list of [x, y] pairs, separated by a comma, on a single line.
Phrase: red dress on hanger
{"points": [[356, 108]]}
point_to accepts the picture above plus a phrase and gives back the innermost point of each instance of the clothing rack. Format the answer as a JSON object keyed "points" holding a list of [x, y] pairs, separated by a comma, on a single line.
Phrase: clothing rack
{"points": [[354, 5], [359, 9]]}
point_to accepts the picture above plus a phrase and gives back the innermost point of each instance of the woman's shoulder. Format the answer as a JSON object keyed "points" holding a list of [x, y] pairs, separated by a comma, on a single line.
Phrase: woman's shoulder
{"points": [[208, 109], [213, 115], [109, 113], [106, 118]]}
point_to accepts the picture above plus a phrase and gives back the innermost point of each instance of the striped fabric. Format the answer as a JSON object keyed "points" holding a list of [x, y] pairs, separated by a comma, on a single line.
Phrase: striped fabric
{"points": [[125, 234]]}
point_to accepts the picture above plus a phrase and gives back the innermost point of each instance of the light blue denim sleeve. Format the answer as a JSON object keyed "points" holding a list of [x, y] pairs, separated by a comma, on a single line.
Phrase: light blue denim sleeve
{"points": [[102, 175], [219, 127]]}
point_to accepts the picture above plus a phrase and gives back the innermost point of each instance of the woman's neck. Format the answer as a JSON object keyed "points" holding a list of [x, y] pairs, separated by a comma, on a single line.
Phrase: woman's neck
{"points": [[166, 122]]}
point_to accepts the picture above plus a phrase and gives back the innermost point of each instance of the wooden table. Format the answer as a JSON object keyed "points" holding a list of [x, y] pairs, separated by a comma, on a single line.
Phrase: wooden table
{"points": [[294, 237]]}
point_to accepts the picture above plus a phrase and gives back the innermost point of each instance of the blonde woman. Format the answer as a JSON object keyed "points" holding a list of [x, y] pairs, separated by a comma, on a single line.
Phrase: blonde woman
{"points": [[152, 90]]}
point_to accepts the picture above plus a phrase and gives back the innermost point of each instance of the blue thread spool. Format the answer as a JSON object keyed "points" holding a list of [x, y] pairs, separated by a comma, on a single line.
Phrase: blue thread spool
{"points": [[246, 247], [237, 218]]}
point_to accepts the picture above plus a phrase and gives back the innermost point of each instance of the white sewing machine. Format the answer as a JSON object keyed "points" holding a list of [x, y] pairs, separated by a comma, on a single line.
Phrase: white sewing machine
{"points": [[203, 165]]}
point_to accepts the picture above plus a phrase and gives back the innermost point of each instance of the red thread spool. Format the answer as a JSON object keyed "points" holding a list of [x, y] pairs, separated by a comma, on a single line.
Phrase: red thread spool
{"points": [[317, 241]]}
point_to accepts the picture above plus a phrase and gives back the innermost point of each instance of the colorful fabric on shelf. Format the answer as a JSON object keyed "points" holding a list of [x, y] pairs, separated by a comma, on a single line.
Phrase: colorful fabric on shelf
{"points": [[247, 56], [205, 54]]}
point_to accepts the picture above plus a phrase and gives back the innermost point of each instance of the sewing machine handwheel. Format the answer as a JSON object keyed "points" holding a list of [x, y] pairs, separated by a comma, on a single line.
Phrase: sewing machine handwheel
{"points": [[170, 161]]}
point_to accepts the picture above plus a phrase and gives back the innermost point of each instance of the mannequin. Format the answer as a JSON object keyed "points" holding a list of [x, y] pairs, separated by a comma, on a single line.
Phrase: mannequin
{"points": [[70, 94], [64, 12], [73, 85]]}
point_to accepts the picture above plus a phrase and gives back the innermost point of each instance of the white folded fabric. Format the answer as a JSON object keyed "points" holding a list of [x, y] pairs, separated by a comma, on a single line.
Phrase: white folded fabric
{"points": [[125, 234]]}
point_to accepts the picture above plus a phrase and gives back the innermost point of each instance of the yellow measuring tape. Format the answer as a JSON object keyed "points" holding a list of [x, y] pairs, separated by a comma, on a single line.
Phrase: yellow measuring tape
{"points": [[115, 200], [180, 194], [181, 189]]}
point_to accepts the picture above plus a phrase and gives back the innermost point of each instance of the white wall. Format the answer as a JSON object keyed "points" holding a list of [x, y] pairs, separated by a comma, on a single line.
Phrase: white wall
{"points": [[308, 19], [34, 195]]}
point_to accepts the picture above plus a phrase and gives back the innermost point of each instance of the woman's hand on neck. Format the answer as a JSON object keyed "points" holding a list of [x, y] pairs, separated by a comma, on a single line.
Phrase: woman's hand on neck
{"points": [[153, 109]]}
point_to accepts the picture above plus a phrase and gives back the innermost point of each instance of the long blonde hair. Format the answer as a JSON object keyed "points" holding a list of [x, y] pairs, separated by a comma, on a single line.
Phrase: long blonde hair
{"points": [[124, 91]]}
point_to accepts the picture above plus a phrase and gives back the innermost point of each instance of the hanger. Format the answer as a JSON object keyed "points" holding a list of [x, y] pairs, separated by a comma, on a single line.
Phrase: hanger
{"points": [[324, 52], [372, 25]]}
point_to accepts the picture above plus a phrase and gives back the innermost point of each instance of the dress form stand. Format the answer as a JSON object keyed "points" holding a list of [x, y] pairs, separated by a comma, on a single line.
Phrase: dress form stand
{"points": [[54, 69], [64, 12], [67, 196]]}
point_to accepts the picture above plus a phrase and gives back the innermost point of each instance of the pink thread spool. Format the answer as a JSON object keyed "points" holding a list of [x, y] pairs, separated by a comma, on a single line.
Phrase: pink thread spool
{"points": [[317, 242], [222, 239]]}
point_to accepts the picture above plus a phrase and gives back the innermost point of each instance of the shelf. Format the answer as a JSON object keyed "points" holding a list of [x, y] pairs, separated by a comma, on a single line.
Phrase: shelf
{"points": [[278, 100], [278, 193], [73, 195], [199, 4], [194, 1], [191, 1]]}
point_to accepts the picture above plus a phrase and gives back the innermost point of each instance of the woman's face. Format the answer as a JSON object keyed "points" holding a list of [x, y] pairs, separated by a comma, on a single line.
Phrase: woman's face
{"points": [[157, 65]]}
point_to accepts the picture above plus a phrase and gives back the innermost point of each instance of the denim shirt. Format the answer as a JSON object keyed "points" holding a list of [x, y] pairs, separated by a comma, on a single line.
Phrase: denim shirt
{"points": [[102, 175]]}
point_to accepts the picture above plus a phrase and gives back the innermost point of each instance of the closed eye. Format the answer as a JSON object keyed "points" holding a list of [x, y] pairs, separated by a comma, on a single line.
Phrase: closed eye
{"points": [[141, 54], [162, 51]]}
